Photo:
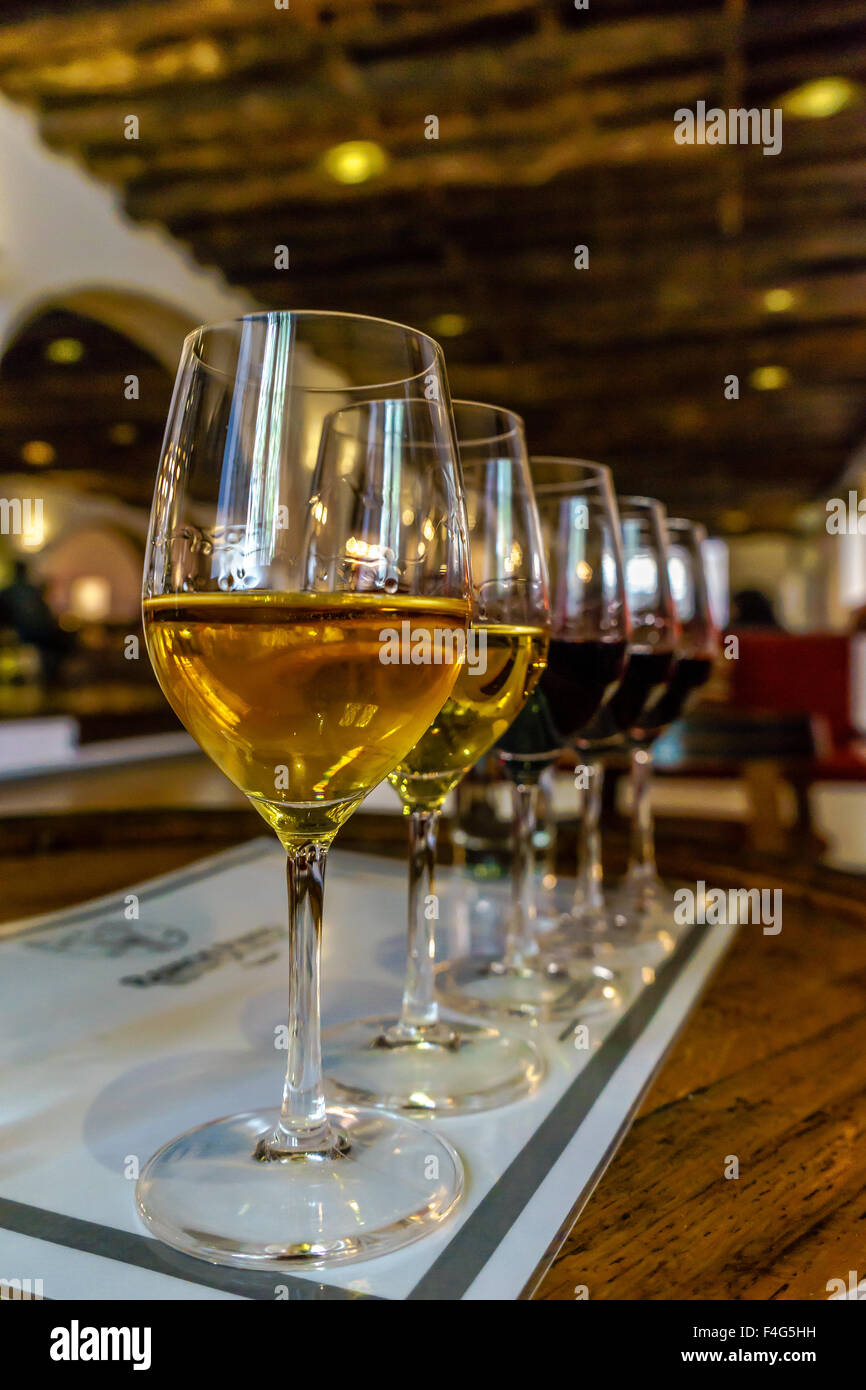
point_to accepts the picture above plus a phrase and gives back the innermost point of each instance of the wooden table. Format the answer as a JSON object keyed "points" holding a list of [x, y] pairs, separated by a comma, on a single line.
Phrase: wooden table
{"points": [[771, 1068]]}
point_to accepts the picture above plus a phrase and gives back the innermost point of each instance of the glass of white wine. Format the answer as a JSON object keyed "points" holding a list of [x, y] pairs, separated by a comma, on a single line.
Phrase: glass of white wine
{"points": [[423, 1060], [275, 565]]}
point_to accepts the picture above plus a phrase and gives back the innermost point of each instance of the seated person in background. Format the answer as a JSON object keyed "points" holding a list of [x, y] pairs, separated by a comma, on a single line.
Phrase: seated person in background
{"points": [[751, 608], [23, 609]]}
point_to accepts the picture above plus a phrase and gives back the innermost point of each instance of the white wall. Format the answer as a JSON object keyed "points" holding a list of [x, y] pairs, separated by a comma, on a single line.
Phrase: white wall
{"points": [[64, 242], [797, 572]]}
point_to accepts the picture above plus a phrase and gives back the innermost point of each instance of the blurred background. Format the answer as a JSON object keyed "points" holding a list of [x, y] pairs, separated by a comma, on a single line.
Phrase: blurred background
{"points": [[503, 174]]}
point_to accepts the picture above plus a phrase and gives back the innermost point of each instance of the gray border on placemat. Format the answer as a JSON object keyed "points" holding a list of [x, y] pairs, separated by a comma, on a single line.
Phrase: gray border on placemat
{"points": [[129, 1248], [468, 1251]]}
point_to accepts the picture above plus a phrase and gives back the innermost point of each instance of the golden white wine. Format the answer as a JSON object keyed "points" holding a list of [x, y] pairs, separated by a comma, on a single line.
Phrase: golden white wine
{"points": [[289, 696], [479, 710]]}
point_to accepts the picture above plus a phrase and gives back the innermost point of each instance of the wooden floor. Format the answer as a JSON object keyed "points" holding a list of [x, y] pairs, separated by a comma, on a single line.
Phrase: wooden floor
{"points": [[770, 1071]]}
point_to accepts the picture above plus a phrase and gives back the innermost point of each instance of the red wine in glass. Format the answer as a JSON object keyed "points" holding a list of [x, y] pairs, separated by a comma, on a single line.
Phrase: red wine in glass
{"points": [[688, 675], [578, 679]]}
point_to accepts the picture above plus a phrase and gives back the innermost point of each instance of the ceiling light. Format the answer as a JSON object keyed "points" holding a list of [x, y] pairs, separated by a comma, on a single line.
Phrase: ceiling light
{"points": [[449, 325], [123, 433], [771, 378], [355, 161], [826, 96], [38, 452], [64, 350], [206, 58], [90, 597], [779, 301]]}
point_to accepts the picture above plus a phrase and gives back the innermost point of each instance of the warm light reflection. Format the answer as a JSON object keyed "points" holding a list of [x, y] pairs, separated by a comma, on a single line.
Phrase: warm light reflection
{"points": [[363, 550], [825, 96], [735, 519], [123, 433], [779, 301], [770, 378], [64, 351], [514, 559], [38, 452], [90, 597], [449, 325], [355, 161]]}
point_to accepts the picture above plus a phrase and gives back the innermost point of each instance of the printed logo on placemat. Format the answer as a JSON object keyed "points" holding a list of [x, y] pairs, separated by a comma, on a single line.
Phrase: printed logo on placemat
{"points": [[250, 949], [111, 938]]}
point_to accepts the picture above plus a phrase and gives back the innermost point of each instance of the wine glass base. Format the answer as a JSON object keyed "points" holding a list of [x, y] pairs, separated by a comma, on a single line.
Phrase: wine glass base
{"points": [[544, 991], [451, 1068], [616, 940], [644, 915], [389, 1182]]}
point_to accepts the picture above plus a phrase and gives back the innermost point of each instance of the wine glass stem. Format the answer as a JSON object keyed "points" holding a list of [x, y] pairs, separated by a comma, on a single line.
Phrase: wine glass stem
{"points": [[303, 1126], [520, 941], [588, 892], [420, 1007], [642, 857]]}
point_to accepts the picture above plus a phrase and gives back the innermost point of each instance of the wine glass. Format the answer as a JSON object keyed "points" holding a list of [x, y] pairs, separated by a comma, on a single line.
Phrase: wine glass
{"points": [[279, 566], [695, 650], [424, 1060], [588, 929], [589, 632]]}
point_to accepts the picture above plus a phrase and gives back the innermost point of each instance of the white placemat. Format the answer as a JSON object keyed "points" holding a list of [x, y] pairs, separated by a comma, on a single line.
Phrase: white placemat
{"points": [[120, 1032]]}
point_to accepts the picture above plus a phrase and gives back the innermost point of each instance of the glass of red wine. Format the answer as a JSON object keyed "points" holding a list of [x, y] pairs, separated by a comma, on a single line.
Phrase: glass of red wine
{"points": [[589, 635], [587, 929], [643, 901]]}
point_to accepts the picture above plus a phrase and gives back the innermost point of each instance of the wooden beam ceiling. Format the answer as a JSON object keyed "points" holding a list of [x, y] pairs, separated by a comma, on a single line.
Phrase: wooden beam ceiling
{"points": [[555, 129]]}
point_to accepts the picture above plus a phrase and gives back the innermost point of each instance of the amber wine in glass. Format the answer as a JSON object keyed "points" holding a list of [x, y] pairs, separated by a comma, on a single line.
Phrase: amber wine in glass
{"points": [[286, 681], [477, 713]]}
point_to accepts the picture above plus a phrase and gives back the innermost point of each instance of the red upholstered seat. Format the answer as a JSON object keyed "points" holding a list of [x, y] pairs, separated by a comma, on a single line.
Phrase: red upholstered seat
{"points": [[792, 673]]}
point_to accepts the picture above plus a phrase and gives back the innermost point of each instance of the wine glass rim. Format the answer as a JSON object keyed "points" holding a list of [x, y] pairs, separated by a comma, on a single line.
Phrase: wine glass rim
{"points": [[220, 324], [637, 500], [516, 429], [684, 523], [600, 473], [602, 469], [517, 426]]}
